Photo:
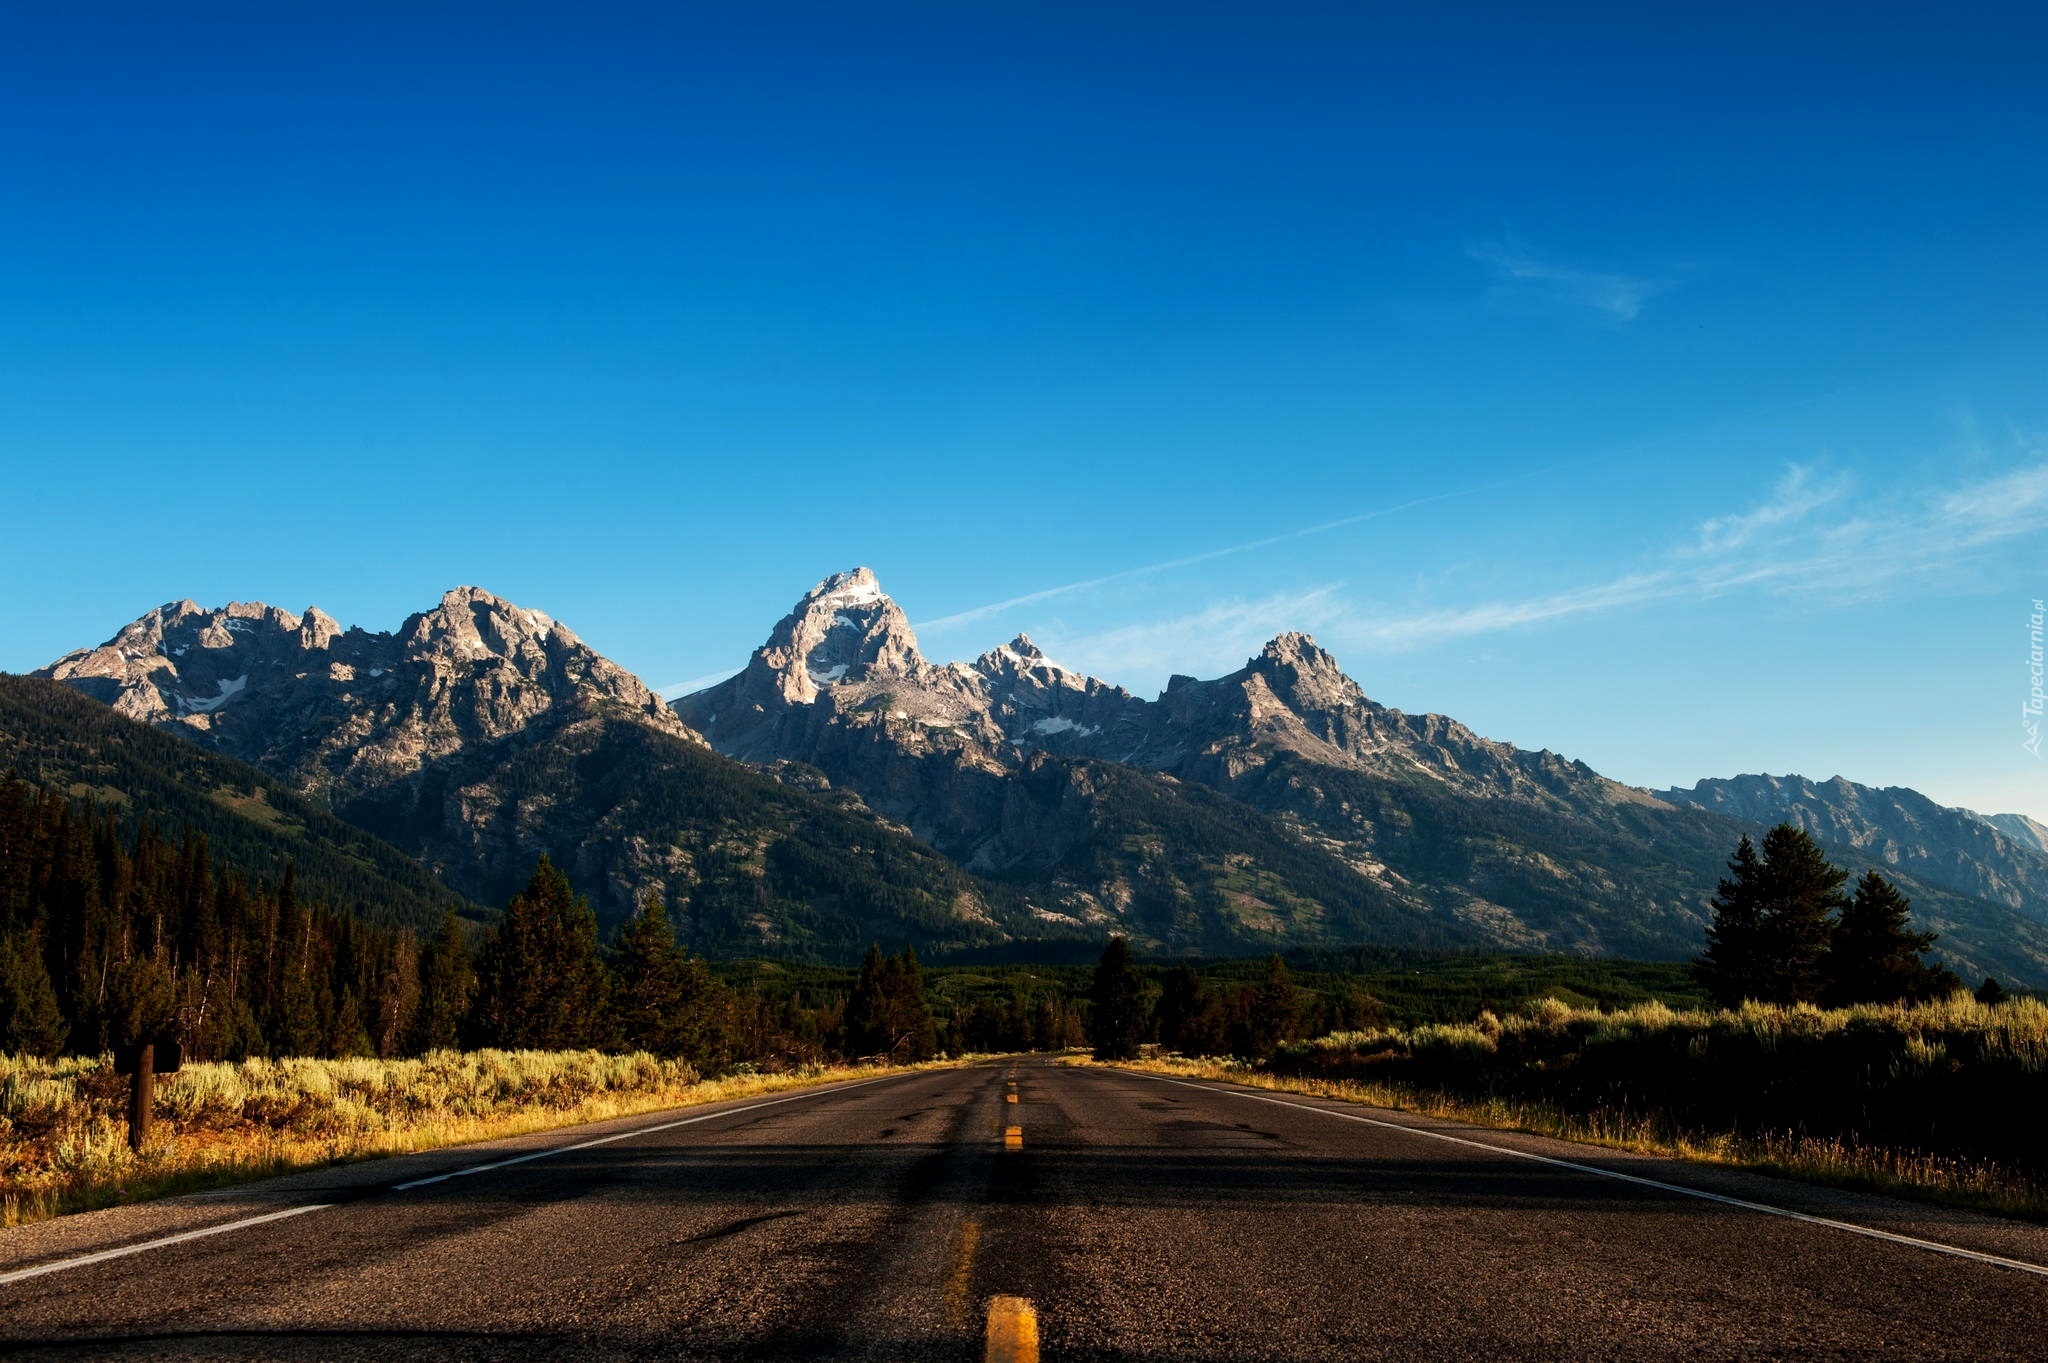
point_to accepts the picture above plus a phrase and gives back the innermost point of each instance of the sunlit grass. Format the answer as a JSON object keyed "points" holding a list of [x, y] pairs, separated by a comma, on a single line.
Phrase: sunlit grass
{"points": [[63, 1138], [1680, 1084]]}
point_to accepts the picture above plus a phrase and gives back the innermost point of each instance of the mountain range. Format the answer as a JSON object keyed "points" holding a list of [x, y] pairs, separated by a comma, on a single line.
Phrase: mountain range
{"points": [[842, 787]]}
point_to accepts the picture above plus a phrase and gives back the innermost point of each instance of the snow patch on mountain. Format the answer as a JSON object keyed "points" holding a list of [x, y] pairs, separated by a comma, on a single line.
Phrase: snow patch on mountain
{"points": [[228, 688]]}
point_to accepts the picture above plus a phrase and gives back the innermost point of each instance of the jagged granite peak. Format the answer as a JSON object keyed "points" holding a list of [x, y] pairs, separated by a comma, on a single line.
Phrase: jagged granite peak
{"points": [[845, 629], [845, 649], [1305, 674], [330, 707]]}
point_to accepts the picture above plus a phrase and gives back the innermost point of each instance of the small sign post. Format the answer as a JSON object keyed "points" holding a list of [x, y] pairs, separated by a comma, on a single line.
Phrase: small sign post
{"points": [[145, 1060]]}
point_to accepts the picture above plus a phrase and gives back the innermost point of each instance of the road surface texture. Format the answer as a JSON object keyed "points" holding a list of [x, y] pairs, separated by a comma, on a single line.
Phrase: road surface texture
{"points": [[1137, 1217]]}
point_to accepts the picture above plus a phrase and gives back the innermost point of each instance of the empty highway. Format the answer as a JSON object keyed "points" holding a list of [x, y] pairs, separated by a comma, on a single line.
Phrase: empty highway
{"points": [[1125, 1216]]}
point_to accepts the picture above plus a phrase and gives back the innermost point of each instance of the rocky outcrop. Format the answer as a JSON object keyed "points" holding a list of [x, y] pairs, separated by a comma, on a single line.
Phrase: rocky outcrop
{"points": [[1895, 828], [2025, 832], [345, 711]]}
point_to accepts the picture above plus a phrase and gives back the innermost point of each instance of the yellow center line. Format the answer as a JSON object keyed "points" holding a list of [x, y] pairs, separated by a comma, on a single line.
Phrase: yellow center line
{"points": [[1009, 1097], [1012, 1331], [963, 1273], [1013, 1138]]}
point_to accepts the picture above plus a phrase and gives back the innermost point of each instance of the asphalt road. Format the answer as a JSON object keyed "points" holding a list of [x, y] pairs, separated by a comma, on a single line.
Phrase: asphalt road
{"points": [[1140, 1219]]}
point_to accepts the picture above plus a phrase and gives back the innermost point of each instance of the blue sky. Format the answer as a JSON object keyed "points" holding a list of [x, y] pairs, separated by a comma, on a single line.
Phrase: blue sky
{"points": [[1661, 388]]}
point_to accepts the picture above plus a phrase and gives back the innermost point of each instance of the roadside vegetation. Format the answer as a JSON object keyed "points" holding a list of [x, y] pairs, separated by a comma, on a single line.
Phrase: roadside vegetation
{"points": [[63, 1143], [1941, 1100], [1839, 1053]]}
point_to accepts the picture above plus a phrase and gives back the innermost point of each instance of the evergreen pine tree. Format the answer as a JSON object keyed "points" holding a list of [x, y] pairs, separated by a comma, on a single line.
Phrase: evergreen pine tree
{"points": [[447, 986], [1117, 1024], [1802, 893], [865, 1026], [912, 1034], [1991, 991], [1275, 1014], [1875, 956], [651, 978], [541, 982], [31, 1023], [1730, 966], [1183, 999]]}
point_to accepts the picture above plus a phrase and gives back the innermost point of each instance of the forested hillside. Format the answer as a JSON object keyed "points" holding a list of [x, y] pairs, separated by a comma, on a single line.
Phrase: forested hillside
{"points": [[60, 741]]}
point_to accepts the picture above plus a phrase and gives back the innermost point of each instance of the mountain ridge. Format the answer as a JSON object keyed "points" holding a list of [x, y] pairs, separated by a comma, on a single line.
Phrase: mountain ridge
{"points": [[964, 804], [1524, 848]]}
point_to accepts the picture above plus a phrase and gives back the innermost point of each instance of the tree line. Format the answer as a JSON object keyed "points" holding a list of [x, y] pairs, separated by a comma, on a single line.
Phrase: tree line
{"points": [[1184, 1013], [1785, 931], [110, 937]]}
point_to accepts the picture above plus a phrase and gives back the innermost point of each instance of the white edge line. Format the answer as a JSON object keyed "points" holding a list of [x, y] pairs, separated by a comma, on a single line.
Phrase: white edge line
{"points": [[60, 1265], [1911, 1241], [165, 1242]]}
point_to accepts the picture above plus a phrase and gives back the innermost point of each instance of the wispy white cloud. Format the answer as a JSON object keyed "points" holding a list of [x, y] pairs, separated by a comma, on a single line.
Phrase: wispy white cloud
{"points": [[1799, 494], [1784, 545], [2008, 504], [977, 613], [1780, 546], [1619, 295], [1216, 637], [694, 684]]}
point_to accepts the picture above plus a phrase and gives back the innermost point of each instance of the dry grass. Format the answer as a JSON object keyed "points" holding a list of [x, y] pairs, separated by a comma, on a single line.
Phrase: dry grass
{"points": [[63, 1139]]}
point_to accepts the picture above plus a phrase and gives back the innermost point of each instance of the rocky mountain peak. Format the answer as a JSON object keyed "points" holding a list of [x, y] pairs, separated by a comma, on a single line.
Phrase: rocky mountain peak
{"points": [[1304, 675], [844, 630], [857, 587], [1010, 660], [245, 678], [471, 622]]}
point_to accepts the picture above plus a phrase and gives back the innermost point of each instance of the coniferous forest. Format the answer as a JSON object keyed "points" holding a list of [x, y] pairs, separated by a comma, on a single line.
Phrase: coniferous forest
{"points": [[111, 934]]}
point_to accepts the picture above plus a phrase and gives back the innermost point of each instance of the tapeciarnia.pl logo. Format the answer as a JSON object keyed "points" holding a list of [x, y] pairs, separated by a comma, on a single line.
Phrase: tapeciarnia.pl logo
{"points": [[2030, 713]]}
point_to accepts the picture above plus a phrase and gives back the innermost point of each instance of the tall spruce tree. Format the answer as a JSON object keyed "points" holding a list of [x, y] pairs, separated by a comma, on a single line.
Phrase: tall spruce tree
{"points": [[864, 1028], [541, 981], [31, 1022], [1802, 894], [1774, 918], [447, 987], [1275, 1013], [1729, 967], [651, 974], [1116, 1025], [1183, 999], [1875, 955], [912, 1033]]}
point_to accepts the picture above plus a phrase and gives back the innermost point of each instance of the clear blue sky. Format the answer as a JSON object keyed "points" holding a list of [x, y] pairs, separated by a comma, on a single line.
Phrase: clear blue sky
{"points": [[1696, 360]]}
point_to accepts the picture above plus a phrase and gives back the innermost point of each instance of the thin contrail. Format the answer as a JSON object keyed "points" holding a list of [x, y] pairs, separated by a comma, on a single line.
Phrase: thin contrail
{"points": [[982, 612]]}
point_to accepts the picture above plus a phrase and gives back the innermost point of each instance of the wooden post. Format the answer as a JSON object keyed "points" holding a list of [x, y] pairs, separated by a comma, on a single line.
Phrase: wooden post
{"points": [[142, 1096]]}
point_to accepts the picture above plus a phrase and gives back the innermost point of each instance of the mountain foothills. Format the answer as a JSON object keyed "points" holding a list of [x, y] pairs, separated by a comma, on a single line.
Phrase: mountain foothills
{"points": [[843, 788], [59, 742]]}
